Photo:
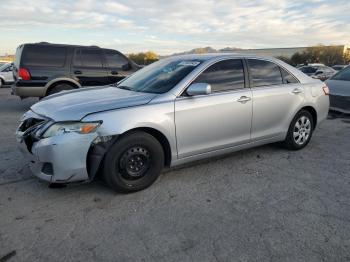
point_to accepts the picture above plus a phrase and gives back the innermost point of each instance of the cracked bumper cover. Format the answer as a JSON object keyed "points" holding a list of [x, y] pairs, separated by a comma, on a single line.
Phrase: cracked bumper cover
{"points": [[62, 158]]}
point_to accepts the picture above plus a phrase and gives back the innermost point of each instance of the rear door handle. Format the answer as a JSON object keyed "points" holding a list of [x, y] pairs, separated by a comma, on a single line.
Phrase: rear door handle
{"points": [[244, 99], [297, 91], [77, 72]]}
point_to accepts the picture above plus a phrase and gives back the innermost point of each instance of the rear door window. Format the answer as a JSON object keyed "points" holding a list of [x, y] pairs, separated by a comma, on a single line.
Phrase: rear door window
{"points": [[42, 55], [114, 59], [88, 58], [264, 73]]}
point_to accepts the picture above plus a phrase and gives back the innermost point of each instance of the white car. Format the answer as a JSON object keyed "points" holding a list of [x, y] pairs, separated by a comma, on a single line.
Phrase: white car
{"points": [[6, 76]]}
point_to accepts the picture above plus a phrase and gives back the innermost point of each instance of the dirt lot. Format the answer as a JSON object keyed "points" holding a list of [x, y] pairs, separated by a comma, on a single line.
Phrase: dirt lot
{"points": [[263, 204]]}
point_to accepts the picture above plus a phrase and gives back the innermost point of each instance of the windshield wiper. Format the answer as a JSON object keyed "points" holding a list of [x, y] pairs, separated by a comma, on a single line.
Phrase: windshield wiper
{"points": [[124, 87]]}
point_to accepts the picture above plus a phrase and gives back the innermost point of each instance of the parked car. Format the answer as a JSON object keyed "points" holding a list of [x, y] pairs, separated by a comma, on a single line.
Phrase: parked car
{"points": [[174, 111], [339, 67], [44, 69], [6, 76], [339, 90], [321, 72]]}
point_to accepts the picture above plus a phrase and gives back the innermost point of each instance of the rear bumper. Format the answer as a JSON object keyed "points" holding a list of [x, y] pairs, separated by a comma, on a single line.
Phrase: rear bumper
{"points": [[28, 91]]}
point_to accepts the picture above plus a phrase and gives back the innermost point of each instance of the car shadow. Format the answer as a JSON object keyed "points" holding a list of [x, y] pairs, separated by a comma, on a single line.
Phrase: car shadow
{"points": [[332, 115]]}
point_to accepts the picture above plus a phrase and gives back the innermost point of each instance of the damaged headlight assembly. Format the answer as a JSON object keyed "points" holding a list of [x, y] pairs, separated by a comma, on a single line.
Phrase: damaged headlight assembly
{"points": [[71, 127]]}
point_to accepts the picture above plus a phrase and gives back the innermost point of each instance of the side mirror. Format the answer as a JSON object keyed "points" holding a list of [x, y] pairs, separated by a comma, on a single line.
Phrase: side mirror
{"points": [[126, 67], [198, 89], [319, 73]]}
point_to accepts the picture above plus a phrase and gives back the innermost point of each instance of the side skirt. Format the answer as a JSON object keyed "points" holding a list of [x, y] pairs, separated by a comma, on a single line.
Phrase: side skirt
{"points": [[181, 161]]}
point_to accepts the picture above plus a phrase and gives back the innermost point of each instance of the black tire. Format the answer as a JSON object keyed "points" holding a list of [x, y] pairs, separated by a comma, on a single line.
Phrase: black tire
{"points": [[58, 88], [123, 156], [291, 141]]}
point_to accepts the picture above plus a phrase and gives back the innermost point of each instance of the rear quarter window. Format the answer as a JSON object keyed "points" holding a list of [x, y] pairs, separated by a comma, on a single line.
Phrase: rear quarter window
{"points": [[52, 56]]}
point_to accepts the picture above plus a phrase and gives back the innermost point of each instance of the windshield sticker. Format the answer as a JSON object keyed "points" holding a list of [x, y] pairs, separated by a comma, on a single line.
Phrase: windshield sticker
{"points": [[189, 63]]}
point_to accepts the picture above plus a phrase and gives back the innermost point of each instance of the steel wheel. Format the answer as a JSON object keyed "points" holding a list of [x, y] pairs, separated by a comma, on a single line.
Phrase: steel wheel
{"points": [[134, 163], [302, 130]]}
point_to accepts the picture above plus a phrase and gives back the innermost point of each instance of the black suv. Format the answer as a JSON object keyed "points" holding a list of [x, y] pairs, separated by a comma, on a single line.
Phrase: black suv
{"points": [[43, 69]]}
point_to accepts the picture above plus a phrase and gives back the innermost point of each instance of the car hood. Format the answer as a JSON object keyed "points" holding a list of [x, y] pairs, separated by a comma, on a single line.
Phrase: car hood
{"points": [[74, 105]]}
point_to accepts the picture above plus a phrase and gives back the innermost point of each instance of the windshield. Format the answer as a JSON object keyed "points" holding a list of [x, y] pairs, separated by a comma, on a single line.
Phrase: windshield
{"points": [[159, 77], [308, 69], [4, 66]]}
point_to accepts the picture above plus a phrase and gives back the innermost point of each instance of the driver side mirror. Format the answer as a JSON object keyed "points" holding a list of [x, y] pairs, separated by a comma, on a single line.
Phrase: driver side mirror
{"points": [[319, 73], [198, 89]]}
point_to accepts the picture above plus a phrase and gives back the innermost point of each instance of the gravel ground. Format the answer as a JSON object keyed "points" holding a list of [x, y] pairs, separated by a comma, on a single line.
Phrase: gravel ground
{"points": [[262, 204]]}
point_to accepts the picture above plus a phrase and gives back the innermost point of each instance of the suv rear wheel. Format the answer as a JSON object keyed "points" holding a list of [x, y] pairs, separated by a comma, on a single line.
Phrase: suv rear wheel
{"points": [[58, 88], [133, 163]]}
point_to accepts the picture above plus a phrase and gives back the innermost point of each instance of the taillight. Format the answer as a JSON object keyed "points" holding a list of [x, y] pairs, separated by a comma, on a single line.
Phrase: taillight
{"points": [[325, 90], [23, 74]]}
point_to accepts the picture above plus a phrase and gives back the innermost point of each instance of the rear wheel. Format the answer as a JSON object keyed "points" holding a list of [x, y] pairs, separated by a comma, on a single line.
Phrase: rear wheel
{"points": [[133, 163], [300, 131], [58, 88]]}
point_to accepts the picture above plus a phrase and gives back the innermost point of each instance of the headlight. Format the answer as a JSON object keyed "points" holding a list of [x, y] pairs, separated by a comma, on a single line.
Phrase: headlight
{"points": [[72, 127]]}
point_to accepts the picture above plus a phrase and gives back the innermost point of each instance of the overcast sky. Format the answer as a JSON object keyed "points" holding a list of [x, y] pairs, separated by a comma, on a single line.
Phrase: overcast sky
{"points": [[173, 26]]}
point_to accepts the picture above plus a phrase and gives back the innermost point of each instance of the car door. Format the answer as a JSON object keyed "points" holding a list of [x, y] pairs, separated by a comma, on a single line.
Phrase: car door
{"points": [[7, 74], [219, 120], [117, 66], [277, 94], [88, 68]]}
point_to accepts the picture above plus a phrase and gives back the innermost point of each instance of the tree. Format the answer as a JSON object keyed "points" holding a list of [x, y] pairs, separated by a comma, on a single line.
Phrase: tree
{"points": [[328, 55], [284, 59], [144, 58]]}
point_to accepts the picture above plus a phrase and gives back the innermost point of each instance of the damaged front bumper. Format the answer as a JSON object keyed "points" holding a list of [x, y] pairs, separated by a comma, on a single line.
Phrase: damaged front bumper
{"points": [[62, 158]]}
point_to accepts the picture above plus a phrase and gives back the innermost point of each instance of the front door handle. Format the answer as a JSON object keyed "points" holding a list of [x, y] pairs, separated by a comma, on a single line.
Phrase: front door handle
{"points": [[77, 72], [297, 91], [244, 99]]}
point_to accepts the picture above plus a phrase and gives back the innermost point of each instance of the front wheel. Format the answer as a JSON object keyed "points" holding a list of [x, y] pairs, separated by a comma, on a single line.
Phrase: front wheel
{"points": [[300, 131], [133, 163]]}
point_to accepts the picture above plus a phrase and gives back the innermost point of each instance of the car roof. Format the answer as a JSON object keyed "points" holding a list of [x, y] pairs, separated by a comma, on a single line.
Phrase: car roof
{"points": [[216, 56], [52, 44], [212, 57]]}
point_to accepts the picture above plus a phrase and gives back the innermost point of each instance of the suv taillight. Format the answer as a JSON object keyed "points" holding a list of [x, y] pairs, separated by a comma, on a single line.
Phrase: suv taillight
{"points": [[23, 74]]}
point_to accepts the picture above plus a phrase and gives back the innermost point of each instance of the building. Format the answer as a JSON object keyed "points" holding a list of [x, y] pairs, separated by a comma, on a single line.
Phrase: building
{"points": [[286, 52]]}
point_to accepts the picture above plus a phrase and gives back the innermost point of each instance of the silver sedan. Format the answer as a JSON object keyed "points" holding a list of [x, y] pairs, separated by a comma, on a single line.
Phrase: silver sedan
{"points": [[174, 111]]}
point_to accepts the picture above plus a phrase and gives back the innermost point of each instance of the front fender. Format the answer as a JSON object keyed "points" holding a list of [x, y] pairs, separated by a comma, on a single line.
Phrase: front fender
{"points": [[158, 116]]}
